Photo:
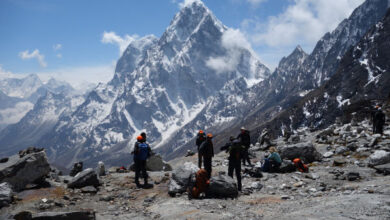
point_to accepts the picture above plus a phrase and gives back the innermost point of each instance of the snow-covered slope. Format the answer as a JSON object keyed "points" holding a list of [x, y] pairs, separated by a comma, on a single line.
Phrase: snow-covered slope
{"points": [[303, 73], [362, 79], [160, 85], [37, 122], [18, 96]]}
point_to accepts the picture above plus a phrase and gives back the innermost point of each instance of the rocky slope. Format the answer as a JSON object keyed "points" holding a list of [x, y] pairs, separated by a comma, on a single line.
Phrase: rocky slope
{"points": [[360, 82], [342, 185], [303, 73]]}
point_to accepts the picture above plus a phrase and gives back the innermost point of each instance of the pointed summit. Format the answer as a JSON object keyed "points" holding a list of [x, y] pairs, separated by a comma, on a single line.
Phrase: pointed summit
{"points": [[189, 20], [297, 57]]}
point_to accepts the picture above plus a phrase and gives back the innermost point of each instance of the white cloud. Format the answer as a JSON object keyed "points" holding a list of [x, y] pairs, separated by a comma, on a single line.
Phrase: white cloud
{"points": [[57, 47], [26, 55], [122, 42], [232, 41], [13, 115], [59, 55], [303, 22]]}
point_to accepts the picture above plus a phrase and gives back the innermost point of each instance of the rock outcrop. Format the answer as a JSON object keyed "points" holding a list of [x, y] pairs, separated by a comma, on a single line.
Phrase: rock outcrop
{"points": [[306, 151], [30, 168], [87, 177]]}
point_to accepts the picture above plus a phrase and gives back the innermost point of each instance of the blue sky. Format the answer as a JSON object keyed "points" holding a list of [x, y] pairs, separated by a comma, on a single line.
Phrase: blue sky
{"points": [[64, 38]]}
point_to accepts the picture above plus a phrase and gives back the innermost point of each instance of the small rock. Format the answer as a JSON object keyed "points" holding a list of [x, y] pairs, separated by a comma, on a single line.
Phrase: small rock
{"points": [[88, 189], [328, 154], [298, 184], [352, 176], [101, 171], [285, 197], [339, 162]]}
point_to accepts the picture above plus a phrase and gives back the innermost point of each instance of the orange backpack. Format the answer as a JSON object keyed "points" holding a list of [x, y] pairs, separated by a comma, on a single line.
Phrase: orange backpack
{"points": [[201, 184], [300, 166]]}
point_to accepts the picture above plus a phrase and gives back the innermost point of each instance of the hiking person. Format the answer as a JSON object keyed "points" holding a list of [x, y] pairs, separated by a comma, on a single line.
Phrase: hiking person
{"points": [[199, 184], [379, 121], [235, 149], [207, 151], [373, 113], [272, 162], [245, 140], [141, 153], [200, 137]]}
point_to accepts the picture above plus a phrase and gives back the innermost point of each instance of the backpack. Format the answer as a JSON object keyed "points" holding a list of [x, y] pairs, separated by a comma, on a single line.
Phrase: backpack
{"points": [[143, 151], [300, 166], [201, 183]]}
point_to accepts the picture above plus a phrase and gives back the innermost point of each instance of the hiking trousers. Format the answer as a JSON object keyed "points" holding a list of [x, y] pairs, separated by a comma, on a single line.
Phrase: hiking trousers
{"points": [[235, 165], [207, 165], [140, 166], [245, 156], [199, 160]]}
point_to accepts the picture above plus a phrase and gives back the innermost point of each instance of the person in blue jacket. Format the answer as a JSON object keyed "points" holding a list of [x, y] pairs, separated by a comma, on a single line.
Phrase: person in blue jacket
{"points": [[141, 153]]}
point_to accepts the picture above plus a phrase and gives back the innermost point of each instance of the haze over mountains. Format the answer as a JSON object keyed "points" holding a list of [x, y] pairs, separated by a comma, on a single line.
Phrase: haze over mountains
{"points": [[198, 75]]}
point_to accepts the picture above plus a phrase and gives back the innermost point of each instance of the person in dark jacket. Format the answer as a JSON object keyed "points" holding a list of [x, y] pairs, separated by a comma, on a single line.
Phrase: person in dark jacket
{"points": [[141, 153], [235, 149], [245, 140], [199, 140], [207, 151], [379, 121], [373, 119]]}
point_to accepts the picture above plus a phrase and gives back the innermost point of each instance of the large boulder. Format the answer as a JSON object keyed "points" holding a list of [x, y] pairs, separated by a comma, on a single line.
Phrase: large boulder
{"points": [[222, 186], [306, 151], [5, 194], [87, 177], [181, 178], [379, 157], [20, 171], [156, 163]]}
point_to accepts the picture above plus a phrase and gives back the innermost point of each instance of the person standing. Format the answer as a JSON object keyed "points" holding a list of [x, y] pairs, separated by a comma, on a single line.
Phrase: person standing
{"points": [[245, 140], [199, 140], [207, 151], [373, 113], [235, 149], [379, 119], [141, 153]]}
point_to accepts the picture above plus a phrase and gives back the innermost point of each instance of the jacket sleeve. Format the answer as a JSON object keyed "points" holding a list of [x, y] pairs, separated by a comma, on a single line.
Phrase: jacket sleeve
{"points": [[136, 150], [225, 147], [149, 151], [212, 150]]}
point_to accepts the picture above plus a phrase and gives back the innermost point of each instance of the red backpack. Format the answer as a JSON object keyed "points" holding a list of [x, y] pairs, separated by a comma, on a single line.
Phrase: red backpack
{"points": [[300, 166]]}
